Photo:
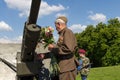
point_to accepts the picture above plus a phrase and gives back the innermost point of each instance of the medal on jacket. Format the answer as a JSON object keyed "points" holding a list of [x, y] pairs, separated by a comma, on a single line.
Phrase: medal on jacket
{"points": [[60, 40]]}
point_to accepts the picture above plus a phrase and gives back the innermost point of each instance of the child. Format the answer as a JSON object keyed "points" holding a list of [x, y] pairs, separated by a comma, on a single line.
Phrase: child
{"points": [[84, 66]]}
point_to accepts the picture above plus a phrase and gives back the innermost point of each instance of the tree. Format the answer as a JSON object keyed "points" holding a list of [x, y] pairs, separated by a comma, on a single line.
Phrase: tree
{"points": [[102, 43]]}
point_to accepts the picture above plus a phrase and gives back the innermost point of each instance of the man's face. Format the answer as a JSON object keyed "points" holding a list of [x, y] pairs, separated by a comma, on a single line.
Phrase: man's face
{"points": [[58, 27]]}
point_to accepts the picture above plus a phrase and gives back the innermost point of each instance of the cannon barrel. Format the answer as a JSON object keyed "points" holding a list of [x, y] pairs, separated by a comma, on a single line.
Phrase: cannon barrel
{"points": [[34, 11]]}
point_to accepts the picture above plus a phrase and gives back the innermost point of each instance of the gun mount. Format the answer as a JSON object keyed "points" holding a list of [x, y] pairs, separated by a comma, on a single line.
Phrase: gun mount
{"points": [[27, 67]]}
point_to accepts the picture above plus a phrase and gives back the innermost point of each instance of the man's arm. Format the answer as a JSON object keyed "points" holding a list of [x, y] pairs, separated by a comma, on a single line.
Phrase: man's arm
{"points": [[69, 43]]}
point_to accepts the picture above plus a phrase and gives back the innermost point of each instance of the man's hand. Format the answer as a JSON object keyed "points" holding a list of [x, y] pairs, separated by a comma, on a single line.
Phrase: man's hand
{"points": [[50, 47]]}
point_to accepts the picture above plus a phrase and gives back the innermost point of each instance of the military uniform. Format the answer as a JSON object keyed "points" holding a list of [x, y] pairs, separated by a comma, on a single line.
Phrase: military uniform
{"points": [[84, 67], [66, 45]]}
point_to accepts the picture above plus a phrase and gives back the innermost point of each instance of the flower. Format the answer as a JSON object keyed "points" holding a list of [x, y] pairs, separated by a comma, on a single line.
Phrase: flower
{"points": [[46, 36]]}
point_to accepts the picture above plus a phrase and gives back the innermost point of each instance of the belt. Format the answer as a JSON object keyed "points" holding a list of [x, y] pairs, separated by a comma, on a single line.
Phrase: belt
{"points": [[65, 56]]}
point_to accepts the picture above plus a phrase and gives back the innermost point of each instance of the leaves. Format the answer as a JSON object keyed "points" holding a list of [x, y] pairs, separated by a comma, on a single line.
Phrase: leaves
{"points": [[54, 68], [46, 36], [102, 43]]}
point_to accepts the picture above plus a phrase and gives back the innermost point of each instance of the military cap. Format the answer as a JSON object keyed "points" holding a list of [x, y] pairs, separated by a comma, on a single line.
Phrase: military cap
{"points": [[81, 51], [61, 19]]}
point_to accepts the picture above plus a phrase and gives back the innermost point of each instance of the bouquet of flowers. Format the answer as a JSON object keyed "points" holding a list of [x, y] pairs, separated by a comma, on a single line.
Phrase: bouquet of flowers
{"points": [[46, 36]]}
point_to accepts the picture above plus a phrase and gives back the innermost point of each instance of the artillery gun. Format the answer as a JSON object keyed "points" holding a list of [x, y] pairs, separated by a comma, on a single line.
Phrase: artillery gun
{"points": [[27, 65]]}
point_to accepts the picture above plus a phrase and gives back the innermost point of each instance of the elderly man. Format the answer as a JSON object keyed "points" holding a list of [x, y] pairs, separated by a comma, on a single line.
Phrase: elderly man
{"points": [[65, 47]]}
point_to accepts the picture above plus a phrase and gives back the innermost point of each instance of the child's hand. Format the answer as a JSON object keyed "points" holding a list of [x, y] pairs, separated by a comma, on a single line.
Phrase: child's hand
{"points": [[40, 56]]}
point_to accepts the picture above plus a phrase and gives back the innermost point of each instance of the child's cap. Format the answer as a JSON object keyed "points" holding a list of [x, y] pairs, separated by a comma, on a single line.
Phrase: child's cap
{"points": [[81, 51]]}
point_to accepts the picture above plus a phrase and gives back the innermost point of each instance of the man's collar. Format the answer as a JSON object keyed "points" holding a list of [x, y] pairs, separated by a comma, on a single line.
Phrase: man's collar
{"points": [[62, 30]]}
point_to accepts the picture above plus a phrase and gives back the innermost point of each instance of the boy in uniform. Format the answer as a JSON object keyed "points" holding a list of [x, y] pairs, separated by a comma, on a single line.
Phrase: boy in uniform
{"points": [[84, 66]]}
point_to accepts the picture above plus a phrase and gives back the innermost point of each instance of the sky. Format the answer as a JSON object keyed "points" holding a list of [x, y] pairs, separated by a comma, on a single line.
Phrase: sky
{"points": [[80, 13]]}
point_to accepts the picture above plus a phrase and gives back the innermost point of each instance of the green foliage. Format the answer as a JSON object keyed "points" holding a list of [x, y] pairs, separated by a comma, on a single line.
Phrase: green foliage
{"points": [[102, 43]]}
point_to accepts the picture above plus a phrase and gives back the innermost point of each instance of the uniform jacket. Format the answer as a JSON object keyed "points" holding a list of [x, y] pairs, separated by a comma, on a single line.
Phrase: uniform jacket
{"points": [[66, 45], [84, 69]]}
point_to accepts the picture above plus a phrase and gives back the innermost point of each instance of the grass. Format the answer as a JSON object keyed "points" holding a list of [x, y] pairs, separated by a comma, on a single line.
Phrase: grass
{"points": [[103, 73]]}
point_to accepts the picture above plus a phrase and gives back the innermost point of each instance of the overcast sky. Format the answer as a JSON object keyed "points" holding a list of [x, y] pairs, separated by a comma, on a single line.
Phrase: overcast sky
{"points": [[80, 13]]}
